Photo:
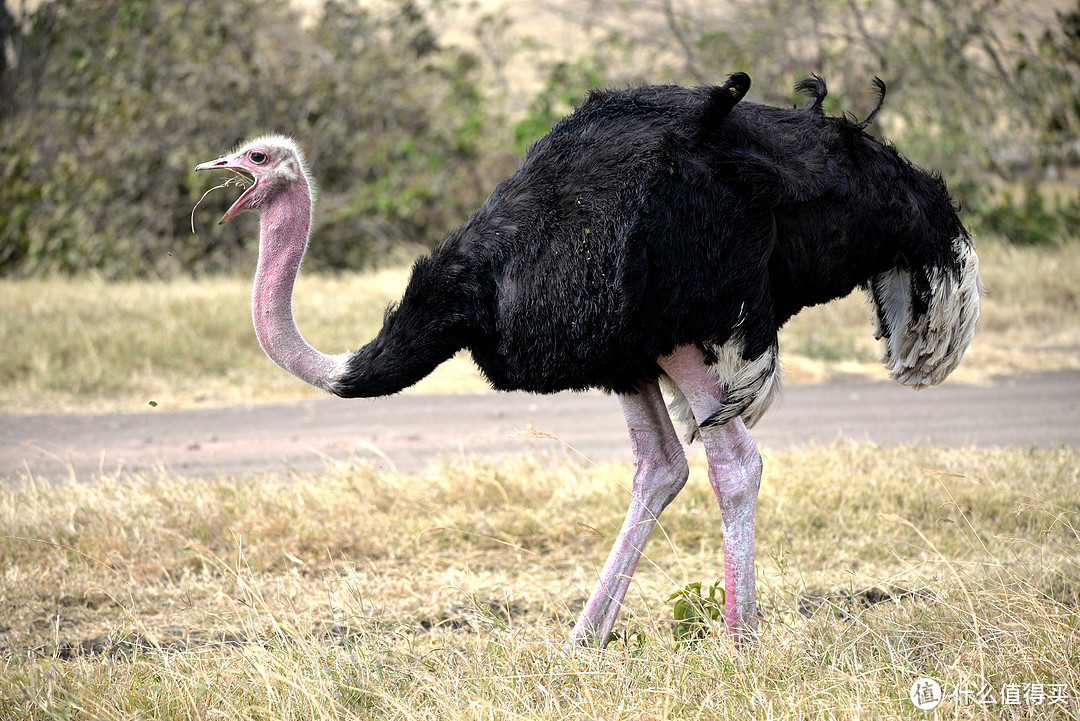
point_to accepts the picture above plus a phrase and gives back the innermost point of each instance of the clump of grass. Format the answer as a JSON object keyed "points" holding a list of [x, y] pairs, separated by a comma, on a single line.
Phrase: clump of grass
{"points": [[448, 594]]}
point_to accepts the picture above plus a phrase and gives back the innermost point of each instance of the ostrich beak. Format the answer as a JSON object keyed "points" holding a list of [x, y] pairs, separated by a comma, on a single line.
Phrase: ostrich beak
{"points": [[244, 201]]}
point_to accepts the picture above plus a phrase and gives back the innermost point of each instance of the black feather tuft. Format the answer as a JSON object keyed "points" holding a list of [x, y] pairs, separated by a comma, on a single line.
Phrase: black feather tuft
{"points": [[722, 98], [879, 84], [813, 86]]}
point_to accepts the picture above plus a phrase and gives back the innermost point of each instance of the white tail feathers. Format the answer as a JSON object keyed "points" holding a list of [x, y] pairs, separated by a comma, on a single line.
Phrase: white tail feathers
{"points": [[921, 350]]}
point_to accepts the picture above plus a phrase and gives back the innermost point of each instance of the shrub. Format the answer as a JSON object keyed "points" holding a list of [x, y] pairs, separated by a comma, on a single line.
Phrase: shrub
{"points": [[111, 104]]}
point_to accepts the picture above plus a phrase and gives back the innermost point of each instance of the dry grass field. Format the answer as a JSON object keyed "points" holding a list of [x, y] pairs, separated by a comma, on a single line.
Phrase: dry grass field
{"points": [[352, 593]]}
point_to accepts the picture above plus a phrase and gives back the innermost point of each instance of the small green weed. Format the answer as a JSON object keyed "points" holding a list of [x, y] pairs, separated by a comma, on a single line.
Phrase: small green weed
{"points": [[695, 614]]}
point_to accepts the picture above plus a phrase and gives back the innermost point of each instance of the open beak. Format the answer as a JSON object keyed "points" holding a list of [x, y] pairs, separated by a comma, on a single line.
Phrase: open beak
{"points": [[242, 203]]}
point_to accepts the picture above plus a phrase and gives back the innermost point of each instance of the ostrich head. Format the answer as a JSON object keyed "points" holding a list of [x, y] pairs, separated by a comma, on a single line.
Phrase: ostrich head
{"points": [[270, 164], [280, 190]]}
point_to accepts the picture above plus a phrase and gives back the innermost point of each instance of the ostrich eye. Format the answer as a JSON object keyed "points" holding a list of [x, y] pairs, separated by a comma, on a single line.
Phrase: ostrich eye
{"points": [[258, 157]]}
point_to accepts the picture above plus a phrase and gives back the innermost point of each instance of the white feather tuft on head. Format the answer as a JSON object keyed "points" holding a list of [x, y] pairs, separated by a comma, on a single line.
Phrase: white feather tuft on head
{"points": [[275, 141]]}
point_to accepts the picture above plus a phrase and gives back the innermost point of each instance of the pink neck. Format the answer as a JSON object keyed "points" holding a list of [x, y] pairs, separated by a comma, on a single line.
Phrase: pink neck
{"points": [[284, 227]]}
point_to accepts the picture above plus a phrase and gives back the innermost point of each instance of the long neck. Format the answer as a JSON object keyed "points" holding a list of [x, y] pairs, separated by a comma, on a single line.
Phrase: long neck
{"points": [[284, 227]]}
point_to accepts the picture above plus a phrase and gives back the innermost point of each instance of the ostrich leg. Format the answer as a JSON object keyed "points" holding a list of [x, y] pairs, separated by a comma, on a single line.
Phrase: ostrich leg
{"points": [[660, 471], [735, 475]]}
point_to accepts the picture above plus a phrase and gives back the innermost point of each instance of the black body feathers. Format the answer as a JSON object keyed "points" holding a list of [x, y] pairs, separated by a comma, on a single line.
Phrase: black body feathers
{"points": [[654, 217]]}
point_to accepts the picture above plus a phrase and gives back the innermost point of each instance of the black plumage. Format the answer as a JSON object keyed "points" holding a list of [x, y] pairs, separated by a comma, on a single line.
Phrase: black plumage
{"points": [[660, 216]]}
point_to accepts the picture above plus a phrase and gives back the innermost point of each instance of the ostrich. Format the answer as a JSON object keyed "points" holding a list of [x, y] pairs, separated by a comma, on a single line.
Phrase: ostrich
{"points": [[652, 244]]}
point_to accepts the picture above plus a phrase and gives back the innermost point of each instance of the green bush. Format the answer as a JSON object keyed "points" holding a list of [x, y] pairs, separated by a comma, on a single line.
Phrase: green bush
{"points": [[1032, 220], [111, 104]]}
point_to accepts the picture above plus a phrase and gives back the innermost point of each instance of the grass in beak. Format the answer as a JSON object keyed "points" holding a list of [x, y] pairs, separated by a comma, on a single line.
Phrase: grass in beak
{"points": [[239, 179]]}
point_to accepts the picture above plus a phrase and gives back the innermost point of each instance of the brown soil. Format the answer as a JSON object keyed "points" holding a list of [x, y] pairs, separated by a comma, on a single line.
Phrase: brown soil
{"points": [[409, 432]]}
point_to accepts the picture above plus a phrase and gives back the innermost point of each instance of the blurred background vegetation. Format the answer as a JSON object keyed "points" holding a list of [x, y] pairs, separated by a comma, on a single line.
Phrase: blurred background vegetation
{"points": [[412, 111]]}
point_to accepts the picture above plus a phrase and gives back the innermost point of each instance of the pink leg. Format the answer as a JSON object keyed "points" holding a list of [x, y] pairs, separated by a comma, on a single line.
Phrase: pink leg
{"points": [[735, 475], [660, 471]]}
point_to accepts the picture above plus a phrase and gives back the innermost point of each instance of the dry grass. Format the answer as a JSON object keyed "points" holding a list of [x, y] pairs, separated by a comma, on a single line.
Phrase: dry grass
{"points": [[89, 346], [352, 593]]}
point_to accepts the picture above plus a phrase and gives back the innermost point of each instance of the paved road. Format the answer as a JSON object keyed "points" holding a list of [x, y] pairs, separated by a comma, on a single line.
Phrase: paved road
{"points": [[408, 432]]}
